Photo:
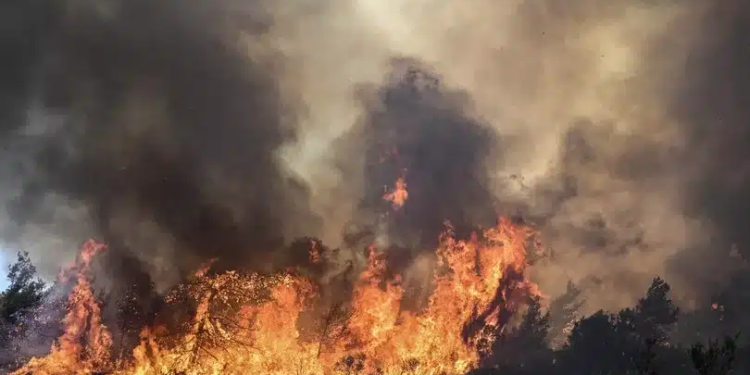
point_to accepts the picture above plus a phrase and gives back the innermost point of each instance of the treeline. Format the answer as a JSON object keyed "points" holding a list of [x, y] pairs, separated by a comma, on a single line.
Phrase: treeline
{"points": [[653, 337], [648, 338]]}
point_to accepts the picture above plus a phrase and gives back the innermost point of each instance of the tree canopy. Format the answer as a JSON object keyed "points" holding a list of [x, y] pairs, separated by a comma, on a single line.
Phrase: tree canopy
{"points": [[25, 290]]}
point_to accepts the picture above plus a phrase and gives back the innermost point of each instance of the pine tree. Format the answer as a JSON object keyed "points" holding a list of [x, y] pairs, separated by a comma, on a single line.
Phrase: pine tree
{"points": [[714, 358], [524, 345], [655, 315], [595, 346]]}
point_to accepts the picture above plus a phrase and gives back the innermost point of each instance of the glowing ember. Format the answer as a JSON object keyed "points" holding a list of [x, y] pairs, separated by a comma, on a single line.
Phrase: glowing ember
{"points": [[248, 324]]}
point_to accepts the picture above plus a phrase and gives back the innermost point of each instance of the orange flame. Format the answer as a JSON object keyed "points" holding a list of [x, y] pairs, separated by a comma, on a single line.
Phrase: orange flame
{"points": [[84, 346], [250, 323], [399, 195]]}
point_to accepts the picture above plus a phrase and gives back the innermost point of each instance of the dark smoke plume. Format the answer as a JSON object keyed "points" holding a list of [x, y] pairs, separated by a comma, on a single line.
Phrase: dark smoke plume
{"points": [[166, 129], [417, 129], [712, 105]]}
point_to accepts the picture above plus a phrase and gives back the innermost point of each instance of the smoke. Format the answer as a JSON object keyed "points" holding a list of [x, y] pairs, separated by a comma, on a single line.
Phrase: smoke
{"points": [[590, 140], [228, 128], [712, 114], [154, 126], [417, 130]]}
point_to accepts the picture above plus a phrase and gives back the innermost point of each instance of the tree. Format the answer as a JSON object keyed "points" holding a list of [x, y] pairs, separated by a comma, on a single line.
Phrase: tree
{"points": [[628, 341], [25, 292], [595, 346], [524, 345], [714, 359], [655, 315], [23, 296]]}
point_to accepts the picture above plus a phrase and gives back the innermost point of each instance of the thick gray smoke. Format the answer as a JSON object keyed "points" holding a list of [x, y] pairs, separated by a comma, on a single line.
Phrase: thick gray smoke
{"points": [[186, 131]]}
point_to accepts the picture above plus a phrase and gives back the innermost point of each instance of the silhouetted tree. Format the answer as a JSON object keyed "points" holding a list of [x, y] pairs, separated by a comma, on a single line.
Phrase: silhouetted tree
{"points": [[714, 358], [654, 316], [626, 342], [595, 346], [524, 346]]}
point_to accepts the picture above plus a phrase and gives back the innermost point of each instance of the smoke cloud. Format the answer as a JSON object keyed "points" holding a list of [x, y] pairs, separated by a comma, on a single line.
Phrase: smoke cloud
{"points": [[592, 137], [155, 125], [227, 129]]}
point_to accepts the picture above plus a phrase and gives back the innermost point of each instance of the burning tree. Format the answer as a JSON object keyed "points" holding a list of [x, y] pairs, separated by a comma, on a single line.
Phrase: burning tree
{"points": [[85, 344]]}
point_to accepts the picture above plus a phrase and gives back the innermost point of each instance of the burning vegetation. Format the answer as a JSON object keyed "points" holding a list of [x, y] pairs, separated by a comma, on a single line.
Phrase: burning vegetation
{"points": [[307, 309], [285, 323]]}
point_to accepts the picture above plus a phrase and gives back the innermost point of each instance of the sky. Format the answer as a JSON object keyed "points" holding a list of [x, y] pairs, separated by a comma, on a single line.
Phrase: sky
{"points": [[4, 254]]}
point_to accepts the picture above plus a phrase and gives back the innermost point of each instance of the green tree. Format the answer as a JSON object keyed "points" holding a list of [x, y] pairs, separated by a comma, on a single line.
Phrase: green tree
{"points": [[23, 296], [25, 292]]}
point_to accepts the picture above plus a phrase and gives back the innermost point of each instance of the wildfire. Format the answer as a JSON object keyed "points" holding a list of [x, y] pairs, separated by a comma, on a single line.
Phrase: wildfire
{"points": [[249, 323]]}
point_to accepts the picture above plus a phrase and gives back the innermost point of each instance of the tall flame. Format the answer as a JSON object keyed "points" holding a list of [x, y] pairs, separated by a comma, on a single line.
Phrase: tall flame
{"points": [[250, 323], [85, 344]]}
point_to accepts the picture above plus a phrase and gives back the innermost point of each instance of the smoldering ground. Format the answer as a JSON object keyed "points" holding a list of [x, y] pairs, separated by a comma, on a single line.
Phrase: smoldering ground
{"points": [[184, 132]]}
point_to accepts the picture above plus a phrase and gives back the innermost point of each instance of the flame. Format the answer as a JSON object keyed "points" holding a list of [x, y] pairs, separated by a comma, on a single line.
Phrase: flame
{"points": [[249, 323], [398, 195], [84, 346]]}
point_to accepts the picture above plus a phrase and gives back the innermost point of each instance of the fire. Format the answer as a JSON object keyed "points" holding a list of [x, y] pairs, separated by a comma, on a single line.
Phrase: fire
{"points": [[249, 323], [399, 195], [85, 344]]}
